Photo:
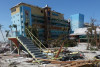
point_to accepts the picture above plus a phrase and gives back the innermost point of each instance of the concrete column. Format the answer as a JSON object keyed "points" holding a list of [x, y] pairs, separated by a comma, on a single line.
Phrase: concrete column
{"points": [[11, 46], [18, 48], [79, 40]]}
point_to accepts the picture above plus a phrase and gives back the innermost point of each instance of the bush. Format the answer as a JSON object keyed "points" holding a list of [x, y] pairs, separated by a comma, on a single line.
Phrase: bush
{"points": [[93, 49], [70, 43]]}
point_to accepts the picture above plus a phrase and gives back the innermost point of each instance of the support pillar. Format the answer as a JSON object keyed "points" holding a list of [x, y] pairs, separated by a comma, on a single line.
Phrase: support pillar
{"points": [[11, 46], [79, 41], [18, 48]]}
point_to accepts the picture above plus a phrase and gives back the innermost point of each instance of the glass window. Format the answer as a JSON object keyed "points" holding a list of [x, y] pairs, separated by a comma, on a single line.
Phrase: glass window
{"points": [[48, 13], [21, 16], [41, 11], [22, 31], [55, 14], [22, 26], [13, 10], [48, 18]]}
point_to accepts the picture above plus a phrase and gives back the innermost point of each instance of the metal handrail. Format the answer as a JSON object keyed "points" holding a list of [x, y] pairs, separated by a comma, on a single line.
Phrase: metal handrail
{"points": [[36, 39], [27, 50]]}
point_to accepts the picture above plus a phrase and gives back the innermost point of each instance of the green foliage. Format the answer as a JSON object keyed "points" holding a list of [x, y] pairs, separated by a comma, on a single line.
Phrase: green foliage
{"points": [[93, 43], [15, 26], [93, 49], [33, 29], [70, 43]]}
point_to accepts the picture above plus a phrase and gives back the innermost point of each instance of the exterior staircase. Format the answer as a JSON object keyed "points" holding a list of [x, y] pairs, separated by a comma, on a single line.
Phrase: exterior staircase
{"points": [[33, 50]]}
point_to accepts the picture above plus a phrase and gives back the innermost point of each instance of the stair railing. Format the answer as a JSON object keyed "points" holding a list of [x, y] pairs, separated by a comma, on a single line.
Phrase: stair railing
{"points": [[28, 50], [35, 42], [35, 39]]}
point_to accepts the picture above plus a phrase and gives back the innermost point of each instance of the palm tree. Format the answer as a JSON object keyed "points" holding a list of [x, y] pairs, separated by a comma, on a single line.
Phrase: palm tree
{"points": [[1, 32], [10, 26], [7, 33], [15, 26]]}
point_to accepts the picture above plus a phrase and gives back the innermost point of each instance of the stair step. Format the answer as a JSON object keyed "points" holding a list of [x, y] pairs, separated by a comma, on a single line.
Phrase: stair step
{"points": [[27, 43], [44, 57], [40, 56], [32, 48], [23, 38], [37, 52]]}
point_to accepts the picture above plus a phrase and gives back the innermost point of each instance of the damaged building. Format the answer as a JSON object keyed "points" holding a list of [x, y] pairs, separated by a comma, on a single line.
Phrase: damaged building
{"points": [[49, 23]]}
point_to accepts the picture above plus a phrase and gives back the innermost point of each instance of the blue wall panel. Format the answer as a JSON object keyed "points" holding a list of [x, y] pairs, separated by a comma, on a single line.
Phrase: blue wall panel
{"points": [[16, 21], [77, 21]]}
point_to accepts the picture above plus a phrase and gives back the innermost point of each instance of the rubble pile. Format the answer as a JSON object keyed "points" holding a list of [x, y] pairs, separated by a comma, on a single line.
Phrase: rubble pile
{"points": [[67, 55], [4, 47], [16, 61]]}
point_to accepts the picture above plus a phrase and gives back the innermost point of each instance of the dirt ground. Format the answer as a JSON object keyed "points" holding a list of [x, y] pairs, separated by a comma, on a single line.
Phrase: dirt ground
{"points": [[82, 47], [15, 61]]}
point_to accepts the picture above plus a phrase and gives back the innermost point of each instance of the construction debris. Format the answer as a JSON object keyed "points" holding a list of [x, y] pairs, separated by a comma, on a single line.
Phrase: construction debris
{"points": [[50, 65], [71, 57], [4, 47]]}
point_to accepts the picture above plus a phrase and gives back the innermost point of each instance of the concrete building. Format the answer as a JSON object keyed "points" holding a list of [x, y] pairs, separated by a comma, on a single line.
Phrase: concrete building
{"points": [[87, 24], [77, 21], [50, 23]]}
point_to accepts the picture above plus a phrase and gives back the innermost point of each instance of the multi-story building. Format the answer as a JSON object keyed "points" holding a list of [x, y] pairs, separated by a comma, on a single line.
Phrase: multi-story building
{"points": [[77, 21], [50, 23]]}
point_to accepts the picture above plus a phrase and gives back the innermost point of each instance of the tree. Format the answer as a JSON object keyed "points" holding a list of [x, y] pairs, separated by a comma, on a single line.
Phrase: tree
{"points": [[33, 29], [92, 36], [15, 26], [88, 39], [10, 26], [7, 33]]}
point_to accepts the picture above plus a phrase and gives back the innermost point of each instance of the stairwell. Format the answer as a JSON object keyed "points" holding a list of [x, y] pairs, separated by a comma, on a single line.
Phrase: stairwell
{"points": [[33, 50]]}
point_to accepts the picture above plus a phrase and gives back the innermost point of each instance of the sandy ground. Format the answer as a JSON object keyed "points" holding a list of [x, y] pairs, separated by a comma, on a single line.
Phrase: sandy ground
{"points": [[89, 55], [13, 60]]}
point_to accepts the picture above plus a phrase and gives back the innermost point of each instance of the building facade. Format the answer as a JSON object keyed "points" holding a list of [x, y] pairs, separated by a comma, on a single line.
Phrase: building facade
{"points": [[50, 23], [77, 21]]}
